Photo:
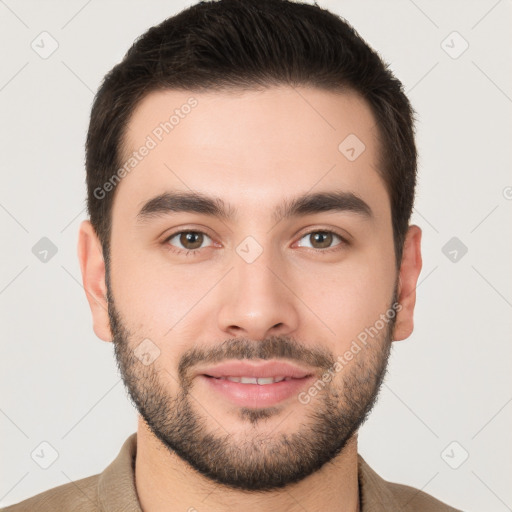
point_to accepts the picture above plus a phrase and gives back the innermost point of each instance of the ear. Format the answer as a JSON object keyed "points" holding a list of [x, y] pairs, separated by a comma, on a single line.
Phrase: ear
{"points": [[410, 269], [92, 265]]}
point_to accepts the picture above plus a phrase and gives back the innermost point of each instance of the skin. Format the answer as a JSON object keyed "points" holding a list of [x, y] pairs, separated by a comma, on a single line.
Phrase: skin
{"points": [[254, 150]]}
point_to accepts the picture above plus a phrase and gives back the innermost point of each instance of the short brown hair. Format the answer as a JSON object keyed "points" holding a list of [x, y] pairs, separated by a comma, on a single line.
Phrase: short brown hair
{"points": [[247, 44]]}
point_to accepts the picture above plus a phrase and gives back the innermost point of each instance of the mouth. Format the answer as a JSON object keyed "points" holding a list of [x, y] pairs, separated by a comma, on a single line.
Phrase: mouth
{"points": [[276, 370], [262, 381], [256, 385]]}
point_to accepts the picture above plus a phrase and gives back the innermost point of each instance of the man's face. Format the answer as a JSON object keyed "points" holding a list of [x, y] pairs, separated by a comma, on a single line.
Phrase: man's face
{"points": [[259, 287]]}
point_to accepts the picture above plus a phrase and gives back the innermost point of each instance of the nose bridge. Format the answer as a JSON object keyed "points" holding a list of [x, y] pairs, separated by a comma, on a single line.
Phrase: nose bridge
{"points": [[257, 303]]}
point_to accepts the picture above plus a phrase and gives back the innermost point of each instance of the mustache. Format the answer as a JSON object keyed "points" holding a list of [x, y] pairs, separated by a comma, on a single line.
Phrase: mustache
{"points": [[275, 347]]}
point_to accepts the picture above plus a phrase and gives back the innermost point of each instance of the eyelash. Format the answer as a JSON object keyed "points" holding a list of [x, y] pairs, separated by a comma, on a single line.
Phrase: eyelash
{"points": [[194, 252]]}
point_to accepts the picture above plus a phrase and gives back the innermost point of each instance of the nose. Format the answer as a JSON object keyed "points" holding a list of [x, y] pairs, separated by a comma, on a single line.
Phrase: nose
{"points": [[258, 300]]}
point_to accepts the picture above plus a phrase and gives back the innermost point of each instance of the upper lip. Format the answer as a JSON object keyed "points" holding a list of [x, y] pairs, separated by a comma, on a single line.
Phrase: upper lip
{"points": [[247, 369]]}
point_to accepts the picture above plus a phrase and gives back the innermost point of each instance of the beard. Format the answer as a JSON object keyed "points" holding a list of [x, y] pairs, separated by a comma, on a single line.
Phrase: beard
{"points": [[260, 461]]}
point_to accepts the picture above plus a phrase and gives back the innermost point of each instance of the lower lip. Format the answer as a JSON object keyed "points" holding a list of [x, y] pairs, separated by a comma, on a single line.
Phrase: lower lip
{"points": [[257, 395]]}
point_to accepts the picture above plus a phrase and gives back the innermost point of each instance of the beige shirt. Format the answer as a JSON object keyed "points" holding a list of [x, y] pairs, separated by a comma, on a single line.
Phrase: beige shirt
{"points": [[114, 490]]}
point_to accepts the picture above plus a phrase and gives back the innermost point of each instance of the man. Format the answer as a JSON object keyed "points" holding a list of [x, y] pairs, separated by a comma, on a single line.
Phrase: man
{"points": [[251, 169]]}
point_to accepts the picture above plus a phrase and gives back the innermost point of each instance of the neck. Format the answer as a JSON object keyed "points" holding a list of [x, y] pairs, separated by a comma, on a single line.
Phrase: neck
{"points": [[166, 483]]}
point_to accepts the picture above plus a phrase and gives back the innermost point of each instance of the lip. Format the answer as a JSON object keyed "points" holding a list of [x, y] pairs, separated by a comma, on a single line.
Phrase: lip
{"points": [[256, 395], [250, 369]]}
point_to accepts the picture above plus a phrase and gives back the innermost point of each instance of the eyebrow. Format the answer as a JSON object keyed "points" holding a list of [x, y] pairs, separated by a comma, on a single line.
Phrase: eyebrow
{"points": [[307, 204]]}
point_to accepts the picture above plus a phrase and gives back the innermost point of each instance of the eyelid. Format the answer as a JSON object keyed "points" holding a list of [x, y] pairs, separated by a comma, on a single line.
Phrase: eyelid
{"points": [[196, 229], [345, 240], [315, 229], [187, 230]]}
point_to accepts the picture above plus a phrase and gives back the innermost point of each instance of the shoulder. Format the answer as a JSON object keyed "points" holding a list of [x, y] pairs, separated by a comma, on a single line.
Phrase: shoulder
{"points": [[78, 496], [379, 494], [414, 500], [113, 489]]}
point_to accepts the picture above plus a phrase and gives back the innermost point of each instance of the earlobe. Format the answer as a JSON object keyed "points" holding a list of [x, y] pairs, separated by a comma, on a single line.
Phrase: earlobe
{"points": [[92, 266], [410, 269]]}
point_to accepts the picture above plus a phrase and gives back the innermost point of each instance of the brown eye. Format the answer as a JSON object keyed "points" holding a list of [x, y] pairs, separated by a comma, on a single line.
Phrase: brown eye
{"points": [[187, 240], [194, 239], [322, 239]]}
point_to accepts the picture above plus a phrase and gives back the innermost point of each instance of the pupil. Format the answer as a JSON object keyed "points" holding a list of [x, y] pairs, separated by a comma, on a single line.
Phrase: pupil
{"points": [[189, 238], [326, 236]]}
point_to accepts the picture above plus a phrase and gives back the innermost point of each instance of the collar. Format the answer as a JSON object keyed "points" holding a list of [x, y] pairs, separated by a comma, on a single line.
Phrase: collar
{"points": [[117, 491]]}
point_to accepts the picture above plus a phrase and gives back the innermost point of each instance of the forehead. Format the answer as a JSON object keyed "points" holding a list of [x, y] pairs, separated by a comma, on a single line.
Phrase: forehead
{"points": [[251, 148]]}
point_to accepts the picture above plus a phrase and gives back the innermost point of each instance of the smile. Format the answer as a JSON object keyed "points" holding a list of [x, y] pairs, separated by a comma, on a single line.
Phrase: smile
{"points": [[253, 380]]}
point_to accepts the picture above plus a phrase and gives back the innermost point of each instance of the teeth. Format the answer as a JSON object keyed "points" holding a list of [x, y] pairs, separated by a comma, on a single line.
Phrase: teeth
{"points": [[248, 380], [267, 380], [256, 380]]}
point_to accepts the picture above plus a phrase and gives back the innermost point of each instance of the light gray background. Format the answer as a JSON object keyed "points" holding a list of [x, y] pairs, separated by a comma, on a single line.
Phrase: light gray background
{"points": [[451, 381]]}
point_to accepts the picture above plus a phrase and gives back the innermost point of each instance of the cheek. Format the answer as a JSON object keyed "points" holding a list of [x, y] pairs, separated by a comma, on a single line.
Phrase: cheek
{"points": [[349, 297], [155, 297]]}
